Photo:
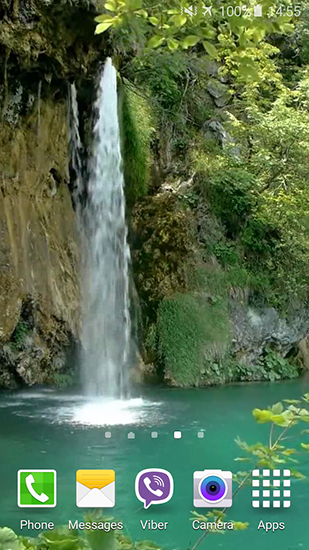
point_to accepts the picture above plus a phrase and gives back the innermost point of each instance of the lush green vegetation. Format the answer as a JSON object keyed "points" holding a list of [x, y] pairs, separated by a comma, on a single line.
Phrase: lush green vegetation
{"points": [[261, 196], [192, 333], [230, 97], [137, 132]]}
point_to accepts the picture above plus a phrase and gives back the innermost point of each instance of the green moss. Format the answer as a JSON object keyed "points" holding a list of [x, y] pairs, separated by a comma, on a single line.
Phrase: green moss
{"points": [[19, 335], [164, 248], [137, 130], [192, 328]]}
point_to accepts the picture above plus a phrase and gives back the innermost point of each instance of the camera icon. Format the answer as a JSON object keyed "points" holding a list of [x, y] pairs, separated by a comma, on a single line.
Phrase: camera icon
{"points": [[212, 489]]}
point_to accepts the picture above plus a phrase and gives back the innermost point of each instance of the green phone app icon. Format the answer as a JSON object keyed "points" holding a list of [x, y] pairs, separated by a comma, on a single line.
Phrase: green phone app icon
{"points": [[37, 488]]}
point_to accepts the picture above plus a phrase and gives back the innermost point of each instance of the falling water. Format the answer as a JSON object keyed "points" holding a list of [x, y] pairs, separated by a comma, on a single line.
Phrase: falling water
{"points": [[106, 317], [75, 151]]}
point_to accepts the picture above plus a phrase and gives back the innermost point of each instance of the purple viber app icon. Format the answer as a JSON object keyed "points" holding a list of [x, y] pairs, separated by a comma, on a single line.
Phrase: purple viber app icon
{"points": [[154, 486]]}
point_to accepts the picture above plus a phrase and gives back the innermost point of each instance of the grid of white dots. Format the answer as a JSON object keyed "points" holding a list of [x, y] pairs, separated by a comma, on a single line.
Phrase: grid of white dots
{"points": [[265, 486]]}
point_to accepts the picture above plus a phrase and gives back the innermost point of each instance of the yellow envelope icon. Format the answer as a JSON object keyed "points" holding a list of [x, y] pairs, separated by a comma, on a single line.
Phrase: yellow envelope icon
{"points": [[95, 488]]}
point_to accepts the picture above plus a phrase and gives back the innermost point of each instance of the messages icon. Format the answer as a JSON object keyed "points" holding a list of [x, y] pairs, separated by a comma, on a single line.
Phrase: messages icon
{"points": [[95, 488]]}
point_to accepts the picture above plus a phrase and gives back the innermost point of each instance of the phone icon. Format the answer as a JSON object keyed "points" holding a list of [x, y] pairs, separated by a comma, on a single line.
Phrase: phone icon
{"points": [[156, 492], [29, 482], [154, 486], [37, 488]]}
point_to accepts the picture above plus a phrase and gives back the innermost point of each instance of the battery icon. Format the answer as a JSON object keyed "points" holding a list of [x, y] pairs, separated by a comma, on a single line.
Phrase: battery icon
{"points": [[257, 11]]}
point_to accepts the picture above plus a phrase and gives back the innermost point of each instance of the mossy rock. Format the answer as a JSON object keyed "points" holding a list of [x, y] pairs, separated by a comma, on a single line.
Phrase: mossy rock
{"points": [[191, 331], [163, 235], [137, 131]]}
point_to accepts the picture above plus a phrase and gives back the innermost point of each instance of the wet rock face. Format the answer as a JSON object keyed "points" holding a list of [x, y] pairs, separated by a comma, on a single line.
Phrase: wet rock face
{"points": [[38, 248], [44, 44], [255, 329]]}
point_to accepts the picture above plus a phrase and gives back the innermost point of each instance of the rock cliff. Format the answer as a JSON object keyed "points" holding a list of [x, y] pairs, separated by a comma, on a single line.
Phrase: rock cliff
{"points": [[44, 45]]}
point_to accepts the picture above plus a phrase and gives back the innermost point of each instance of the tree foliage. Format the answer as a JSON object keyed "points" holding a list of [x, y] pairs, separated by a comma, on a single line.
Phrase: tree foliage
{"points": [[155, 25]]}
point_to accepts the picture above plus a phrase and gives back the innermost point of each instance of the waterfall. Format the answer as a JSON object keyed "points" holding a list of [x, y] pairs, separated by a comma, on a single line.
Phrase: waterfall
{"points": [[75, 151], [106, 332]]}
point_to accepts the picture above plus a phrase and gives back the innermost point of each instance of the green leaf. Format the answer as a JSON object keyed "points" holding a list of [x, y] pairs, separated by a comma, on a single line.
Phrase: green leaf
{"points": [[283, 419], [208, 32], [155, 41], [9, 540], [154, 21], [102, 540], [240, 525], [287, 28], [60, 539], [297, 474], [303, 412], [178, 20], [190, 41], [247, 71], [305, 446], [105, 17], [110, 6], [262, 416], [210, 48], [172, 44], [289, 452], [258, 34], [277, 408], [102, 27], [143, 13]]}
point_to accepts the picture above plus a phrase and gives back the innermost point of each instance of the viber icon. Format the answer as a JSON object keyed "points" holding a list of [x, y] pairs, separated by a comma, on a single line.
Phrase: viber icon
{"points": [[154, 486]]}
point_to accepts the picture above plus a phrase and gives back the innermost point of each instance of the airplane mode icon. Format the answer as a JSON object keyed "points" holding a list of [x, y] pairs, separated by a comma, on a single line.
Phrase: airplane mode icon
{"points": [[207, 10]]}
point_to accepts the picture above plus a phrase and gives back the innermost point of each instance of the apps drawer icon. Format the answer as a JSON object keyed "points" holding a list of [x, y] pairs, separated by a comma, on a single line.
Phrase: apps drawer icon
{"points": [[95, 488]]}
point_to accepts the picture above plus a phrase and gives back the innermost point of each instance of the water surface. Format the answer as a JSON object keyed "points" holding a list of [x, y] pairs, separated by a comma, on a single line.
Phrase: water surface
{"points": [[49, 429]]}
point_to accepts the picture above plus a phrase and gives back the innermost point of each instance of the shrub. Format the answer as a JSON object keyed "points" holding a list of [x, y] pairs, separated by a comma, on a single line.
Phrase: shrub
{"points": [[271, 366], [164, 74], [230, 193], [226, 252]]}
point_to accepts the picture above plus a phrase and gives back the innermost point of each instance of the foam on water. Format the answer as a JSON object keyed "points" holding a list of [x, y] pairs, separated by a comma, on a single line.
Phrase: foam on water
{"points": [[78, 410]]}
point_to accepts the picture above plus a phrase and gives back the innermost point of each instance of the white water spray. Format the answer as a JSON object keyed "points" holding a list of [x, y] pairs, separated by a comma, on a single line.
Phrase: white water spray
{"points": [[76, 152], [106, 317]]}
